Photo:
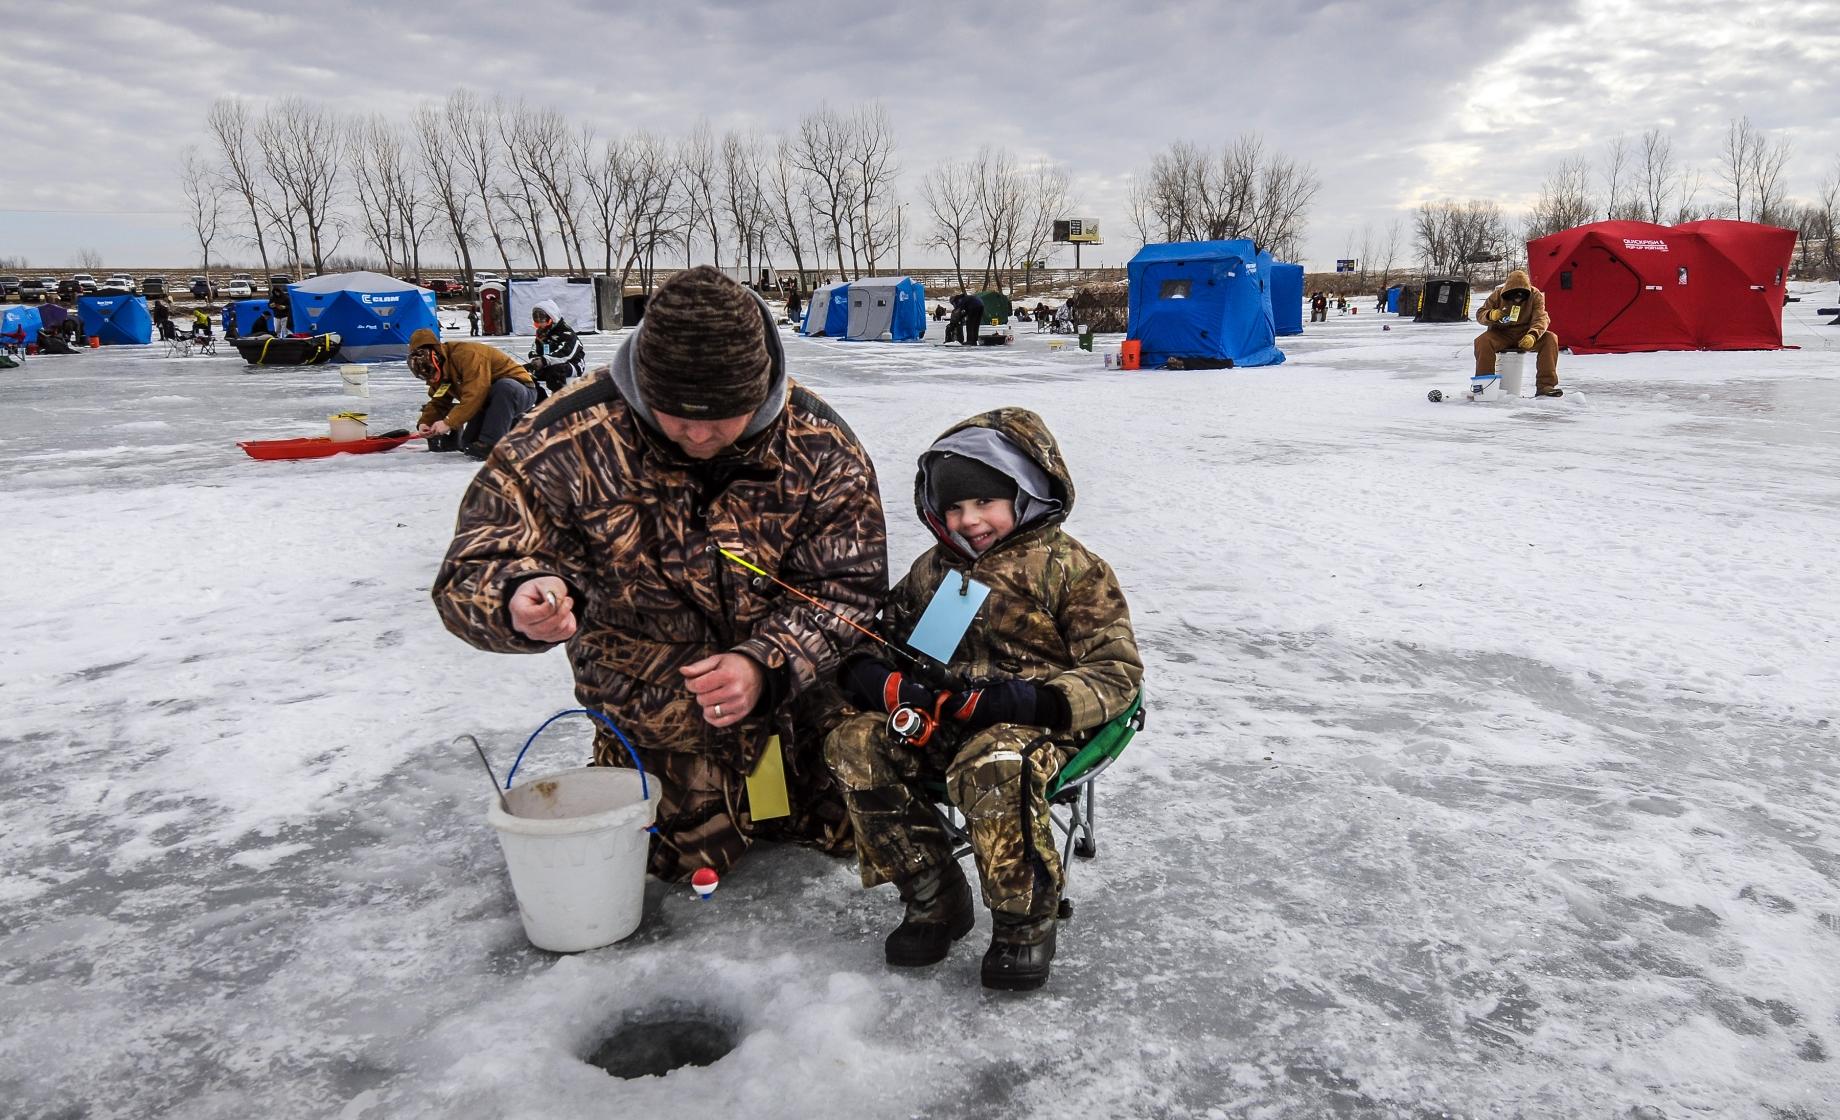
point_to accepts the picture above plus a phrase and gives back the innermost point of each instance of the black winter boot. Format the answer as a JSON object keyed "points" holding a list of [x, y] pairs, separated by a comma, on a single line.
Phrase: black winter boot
{"points": [[448, 442], [1021, 950], [938, 913]]}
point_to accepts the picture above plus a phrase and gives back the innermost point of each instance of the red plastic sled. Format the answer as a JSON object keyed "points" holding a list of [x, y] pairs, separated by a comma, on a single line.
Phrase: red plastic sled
{"points": [[317, 447]]}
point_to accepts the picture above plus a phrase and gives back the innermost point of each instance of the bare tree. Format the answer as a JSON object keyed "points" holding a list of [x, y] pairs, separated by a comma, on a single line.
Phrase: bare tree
{"points": [[790, 204], [469, 129], [743, 195], [1735, 163], [998, 197], [1389, 250], [89, 260], [1622, 198], [1828, 206], [1565, 199], [950, 194], [1243, 191], [1660, 175], [696, 181], [446, 180], [1764, 166], [373, 150], [1454, 238], [230, 125], [1047, 198], [204, 194], [1138, 208], [546, 157], [601, 170], [821, 150], [300, 148], [872, 166], [519, 190], [1366, 251]]}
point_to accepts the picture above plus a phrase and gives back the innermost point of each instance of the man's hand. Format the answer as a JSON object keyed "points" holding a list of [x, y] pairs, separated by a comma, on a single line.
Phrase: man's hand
{"points": [[542, 610], [1493, 315], [423, 430], [1528, 341], [727, 685], [874, 687], [439, 428]]}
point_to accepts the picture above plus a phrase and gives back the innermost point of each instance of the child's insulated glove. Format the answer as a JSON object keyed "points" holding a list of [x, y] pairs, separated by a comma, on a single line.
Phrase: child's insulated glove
{"points": [[1012, 701], [873, 687], [1528, 341]]}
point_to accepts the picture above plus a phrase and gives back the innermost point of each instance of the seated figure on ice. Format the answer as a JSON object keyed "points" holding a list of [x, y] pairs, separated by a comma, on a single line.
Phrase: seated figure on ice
{"points": [[1049, 658], [1515, 315]]}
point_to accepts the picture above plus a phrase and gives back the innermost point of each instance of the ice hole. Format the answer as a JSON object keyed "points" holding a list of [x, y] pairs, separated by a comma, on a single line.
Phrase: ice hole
{"points": [[655, 1041]]}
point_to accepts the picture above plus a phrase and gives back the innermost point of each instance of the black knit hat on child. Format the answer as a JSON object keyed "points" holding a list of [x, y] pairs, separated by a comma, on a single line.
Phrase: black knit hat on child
{"points": [[701, 353], [954, 478]]}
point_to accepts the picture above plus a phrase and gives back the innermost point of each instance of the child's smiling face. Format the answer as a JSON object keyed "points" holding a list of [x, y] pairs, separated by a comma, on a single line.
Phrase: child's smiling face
{"points": [[981, 521]]}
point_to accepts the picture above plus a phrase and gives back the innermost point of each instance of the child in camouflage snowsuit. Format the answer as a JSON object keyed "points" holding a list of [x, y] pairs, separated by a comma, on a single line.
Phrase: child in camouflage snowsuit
{"points": [[1049, 659]]}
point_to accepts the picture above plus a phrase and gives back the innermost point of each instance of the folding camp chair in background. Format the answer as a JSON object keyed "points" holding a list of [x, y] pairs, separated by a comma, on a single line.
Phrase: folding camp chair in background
{"points": [[1072, 795]]}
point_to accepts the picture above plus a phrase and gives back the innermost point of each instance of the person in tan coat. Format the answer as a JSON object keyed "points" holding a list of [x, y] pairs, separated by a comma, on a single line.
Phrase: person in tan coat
{"points": [[475, 393], [1515, 315]]}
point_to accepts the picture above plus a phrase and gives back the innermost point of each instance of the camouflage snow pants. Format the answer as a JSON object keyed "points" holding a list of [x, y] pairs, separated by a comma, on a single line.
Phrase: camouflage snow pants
{"points": [[897, 834], [703, 818]]}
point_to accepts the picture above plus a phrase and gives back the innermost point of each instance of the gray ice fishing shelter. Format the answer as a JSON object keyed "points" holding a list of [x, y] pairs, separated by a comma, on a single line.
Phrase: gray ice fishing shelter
{"points": [[886, 305]]}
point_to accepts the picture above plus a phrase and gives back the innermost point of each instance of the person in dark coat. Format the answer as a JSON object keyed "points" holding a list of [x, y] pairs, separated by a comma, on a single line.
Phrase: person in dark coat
{"points": [[793, 310], [162, 321]]}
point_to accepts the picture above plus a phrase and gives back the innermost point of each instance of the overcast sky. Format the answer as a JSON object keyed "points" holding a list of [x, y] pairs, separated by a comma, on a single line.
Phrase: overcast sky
{"points": [[1393, 103]]}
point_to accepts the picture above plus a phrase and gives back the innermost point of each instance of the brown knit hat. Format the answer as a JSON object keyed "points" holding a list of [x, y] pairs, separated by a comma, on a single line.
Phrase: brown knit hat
{"points": [[701, 351]]}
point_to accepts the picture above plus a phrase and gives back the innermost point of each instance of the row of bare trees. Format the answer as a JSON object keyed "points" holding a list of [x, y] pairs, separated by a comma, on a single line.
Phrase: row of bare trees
{"points": [[991, 210], [504, 181], [1241, 191]]}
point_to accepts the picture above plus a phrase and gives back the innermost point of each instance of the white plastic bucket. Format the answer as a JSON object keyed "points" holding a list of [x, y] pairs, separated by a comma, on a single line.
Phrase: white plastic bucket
{"points": [[345, 430], [1509, 366], [357, 380], [575, 843]]}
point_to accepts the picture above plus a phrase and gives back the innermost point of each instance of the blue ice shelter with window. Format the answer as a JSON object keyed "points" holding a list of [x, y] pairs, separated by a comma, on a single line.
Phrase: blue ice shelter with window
{"points": [[1392, 297], [119, 320], [1287, 298], [372, 314], [17, 320], [887, 305], [1207, 303], [828, 313], [248, 316]]}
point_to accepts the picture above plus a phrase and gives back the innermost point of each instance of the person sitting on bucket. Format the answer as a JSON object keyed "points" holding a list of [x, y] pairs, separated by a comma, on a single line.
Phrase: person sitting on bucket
{"points": [[556, 355], [1051, 659], [1515, 315], [601, 524], [475, 393]]}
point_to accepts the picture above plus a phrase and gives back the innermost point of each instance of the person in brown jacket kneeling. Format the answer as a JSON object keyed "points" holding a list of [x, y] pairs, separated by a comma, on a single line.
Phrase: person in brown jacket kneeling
{"points": [[475, 393], [1515, 315]]}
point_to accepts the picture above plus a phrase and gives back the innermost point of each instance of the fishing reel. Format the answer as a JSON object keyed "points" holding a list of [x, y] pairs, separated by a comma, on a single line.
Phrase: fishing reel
{"points": [[913, 725]]}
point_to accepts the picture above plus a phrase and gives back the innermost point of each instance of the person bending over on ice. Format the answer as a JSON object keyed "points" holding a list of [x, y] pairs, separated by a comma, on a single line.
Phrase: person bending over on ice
{"points": [[475, 393], [1050, 658], [601, 523], [1515, 315], [556, 355]]}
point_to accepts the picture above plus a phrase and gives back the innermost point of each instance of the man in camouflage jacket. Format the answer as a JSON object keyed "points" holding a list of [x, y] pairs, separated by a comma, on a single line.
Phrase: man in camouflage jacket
{"points": [[1054, 642], [599, 520]]}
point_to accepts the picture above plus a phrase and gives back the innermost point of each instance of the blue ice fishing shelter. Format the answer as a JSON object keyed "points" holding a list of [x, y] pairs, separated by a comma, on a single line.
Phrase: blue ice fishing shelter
{"points": [[1207, 303], [120, 320], [372, 314], [247, 315], [887, 305], [1392, 298], [1287, 298], [17, 318], [828, 313]]}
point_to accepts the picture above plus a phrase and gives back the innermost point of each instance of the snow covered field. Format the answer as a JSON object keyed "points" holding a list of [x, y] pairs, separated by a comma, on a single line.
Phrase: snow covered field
{"points": [[1490, 772]]}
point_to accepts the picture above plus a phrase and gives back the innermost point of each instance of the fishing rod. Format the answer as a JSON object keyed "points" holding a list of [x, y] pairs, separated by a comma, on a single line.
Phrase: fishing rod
{"points": [[910, 723]]}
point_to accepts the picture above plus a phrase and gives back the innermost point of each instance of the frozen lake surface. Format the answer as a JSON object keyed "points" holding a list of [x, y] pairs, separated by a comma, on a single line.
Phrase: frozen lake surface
{"points": [[1491, 767]]}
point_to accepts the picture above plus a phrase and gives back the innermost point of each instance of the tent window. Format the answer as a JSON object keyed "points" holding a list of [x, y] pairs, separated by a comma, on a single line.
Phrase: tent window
{"points": [[1174, 289], [1443, 293], [1680, 276], [1565, 281], [1779, 277]]}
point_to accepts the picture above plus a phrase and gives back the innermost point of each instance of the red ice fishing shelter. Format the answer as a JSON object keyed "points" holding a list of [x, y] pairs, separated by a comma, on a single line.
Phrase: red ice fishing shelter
{"points": [[1620, 287]]}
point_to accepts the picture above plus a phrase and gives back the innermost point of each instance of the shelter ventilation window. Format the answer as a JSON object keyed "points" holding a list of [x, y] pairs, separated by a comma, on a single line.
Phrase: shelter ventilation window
{"points": [[1680, 276], [1174, 289], [1565, 281], [1779, 277]]}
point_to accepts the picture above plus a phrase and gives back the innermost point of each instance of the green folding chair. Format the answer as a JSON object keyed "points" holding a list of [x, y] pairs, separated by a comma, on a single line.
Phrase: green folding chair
{"points": [[1072, 795]]}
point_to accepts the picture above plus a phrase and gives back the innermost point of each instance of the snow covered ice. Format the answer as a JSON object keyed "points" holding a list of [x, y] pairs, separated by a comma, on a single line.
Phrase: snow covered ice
{"points": [[1490, 768]]}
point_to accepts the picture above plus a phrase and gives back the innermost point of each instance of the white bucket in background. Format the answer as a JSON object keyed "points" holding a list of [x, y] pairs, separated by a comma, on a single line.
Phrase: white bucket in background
{"points": [[357, 379], [576, 850], [345, 430], [1509, 365]]}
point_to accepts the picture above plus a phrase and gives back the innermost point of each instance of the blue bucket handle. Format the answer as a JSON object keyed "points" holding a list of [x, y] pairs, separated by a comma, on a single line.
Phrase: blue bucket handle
{"points": [[645, 789]]}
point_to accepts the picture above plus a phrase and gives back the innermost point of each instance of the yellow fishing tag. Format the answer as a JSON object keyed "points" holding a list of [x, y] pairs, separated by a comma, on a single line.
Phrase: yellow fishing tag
{"points": [[766, 786]]}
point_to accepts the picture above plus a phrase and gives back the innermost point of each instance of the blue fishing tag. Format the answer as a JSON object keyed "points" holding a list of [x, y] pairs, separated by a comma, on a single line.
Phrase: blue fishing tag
{"points": [[955, 603]]}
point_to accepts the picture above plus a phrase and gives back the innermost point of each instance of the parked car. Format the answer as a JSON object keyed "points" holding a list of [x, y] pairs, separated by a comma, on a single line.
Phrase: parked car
{"points": [[9, 286], [279, 281], [120, 282], [481, 278], [85, 281], [445, 286], [200, 287], [238, 289], [154, 287], [69, 288], [32, 291]]}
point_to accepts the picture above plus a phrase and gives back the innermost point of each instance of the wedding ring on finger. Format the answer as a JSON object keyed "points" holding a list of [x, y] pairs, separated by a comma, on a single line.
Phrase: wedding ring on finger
{"points": [[550, 598], [718, 711]]}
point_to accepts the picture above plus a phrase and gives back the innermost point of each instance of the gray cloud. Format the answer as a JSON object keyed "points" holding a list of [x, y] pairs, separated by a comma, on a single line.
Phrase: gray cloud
{"points": [[1393, 102]]}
